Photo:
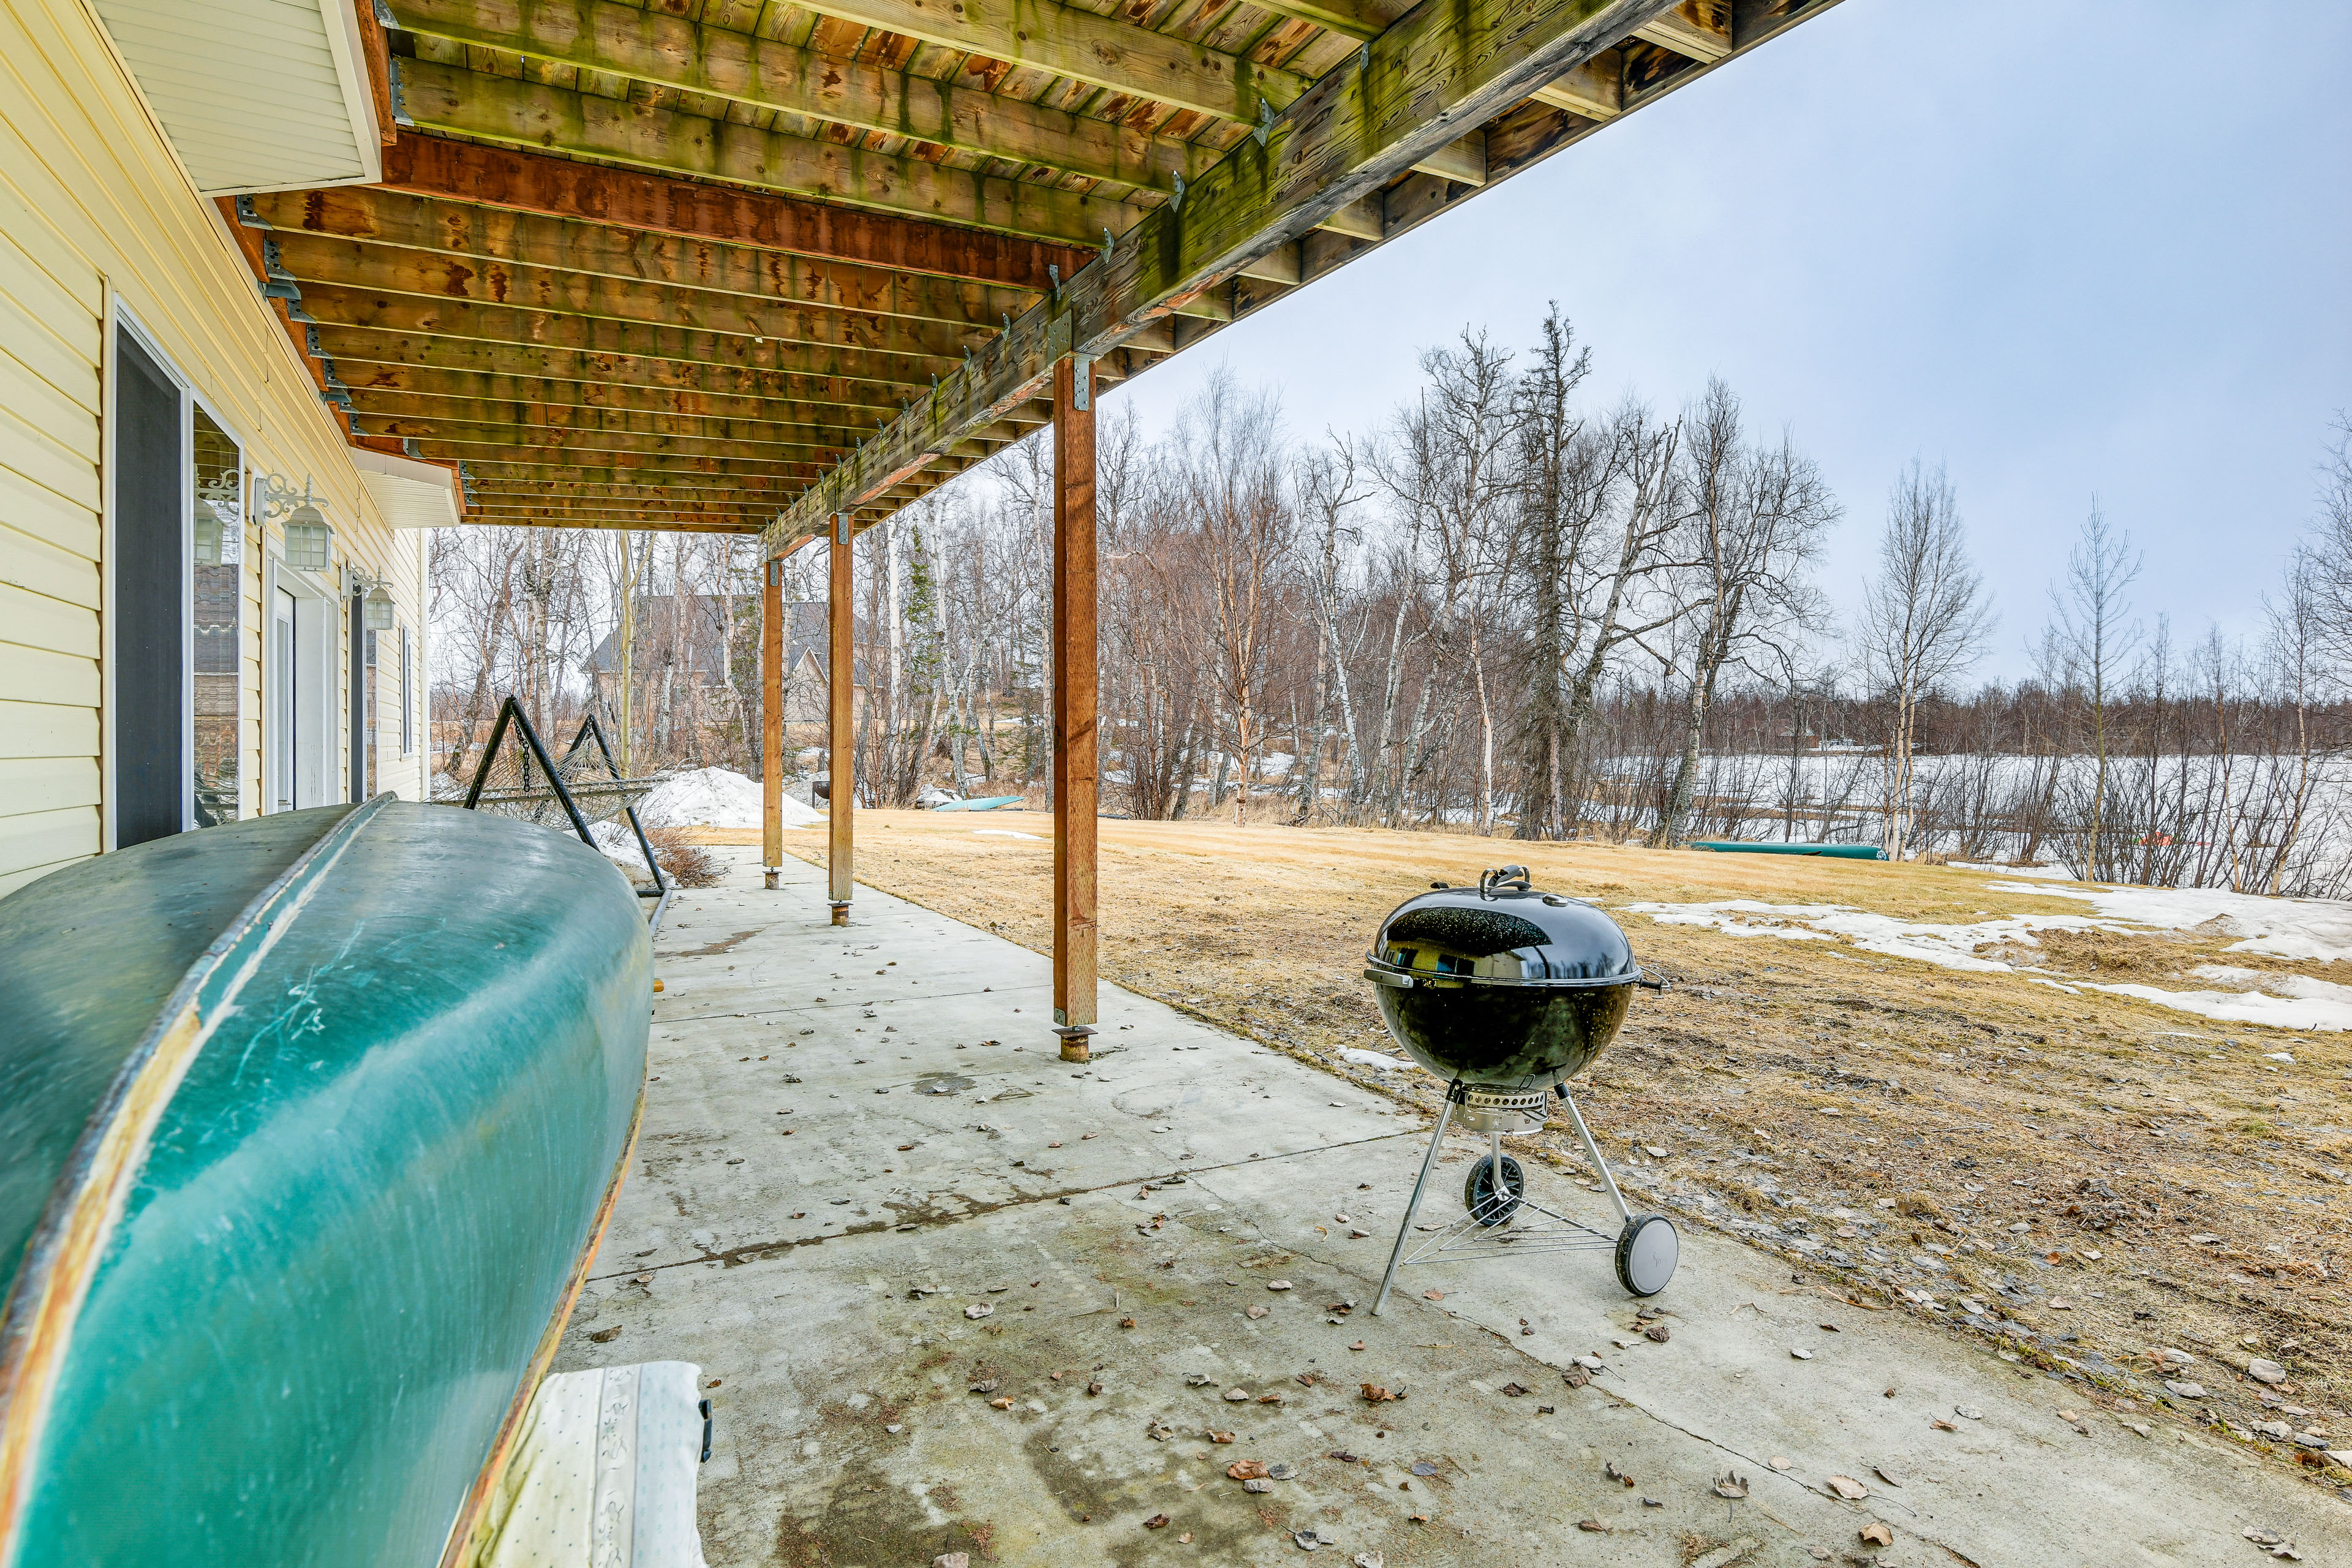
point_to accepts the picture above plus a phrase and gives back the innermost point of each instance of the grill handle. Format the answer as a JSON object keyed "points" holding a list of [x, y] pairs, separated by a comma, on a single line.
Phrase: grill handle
{"points": [[1390, 977], [1661, 984]]}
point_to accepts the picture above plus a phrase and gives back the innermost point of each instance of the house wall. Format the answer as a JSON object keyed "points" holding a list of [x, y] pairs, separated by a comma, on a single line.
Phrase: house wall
{"points": [[97, 216]]}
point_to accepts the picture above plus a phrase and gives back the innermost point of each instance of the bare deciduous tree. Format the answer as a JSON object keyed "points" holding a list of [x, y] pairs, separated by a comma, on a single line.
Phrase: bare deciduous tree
{"points": [[1923, 620]]}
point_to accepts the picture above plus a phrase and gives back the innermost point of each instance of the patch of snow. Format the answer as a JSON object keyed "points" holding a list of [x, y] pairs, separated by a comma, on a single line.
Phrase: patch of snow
{"points": [[618, 844], [2315, 928], [714, 797], [2302, 1011], [1374, 1060], [1003, 833], [1946, 946]]}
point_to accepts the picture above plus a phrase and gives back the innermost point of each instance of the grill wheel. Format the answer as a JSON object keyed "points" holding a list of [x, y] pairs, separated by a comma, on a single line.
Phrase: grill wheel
{"points": [[1487, 1206]]}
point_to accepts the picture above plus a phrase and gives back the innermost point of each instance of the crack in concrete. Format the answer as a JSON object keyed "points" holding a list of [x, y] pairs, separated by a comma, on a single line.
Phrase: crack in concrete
{"points": [[754, 1252]]}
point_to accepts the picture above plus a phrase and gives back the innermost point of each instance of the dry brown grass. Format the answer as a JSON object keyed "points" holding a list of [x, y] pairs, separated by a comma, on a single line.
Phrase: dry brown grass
{"points": [[1818, 1099]]}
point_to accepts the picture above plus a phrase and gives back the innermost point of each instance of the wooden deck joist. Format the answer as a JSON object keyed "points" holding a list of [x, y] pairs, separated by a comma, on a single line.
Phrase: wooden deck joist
{"points": [[662, 50], [1337, 166]]}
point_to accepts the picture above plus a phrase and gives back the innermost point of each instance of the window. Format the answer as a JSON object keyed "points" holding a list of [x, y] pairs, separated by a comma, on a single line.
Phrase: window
{"points": [[178, 571]]}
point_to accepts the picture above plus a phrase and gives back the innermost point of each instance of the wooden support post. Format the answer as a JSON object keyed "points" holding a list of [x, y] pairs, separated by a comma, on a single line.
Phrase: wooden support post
{"points": [[841, 742], [772, 720], [1076, 754]]}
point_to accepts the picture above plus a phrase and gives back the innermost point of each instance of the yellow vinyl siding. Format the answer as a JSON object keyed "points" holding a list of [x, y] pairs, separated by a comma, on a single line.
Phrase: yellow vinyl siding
{"points": [[51, 339], [95, 209]]}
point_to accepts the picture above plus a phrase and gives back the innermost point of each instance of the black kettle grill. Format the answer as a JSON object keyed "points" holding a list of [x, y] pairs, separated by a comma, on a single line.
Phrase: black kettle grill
{"points": [[1506, 992]]}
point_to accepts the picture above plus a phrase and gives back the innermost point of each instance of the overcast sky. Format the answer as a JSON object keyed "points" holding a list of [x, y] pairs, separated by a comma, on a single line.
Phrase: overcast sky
{"points": [[2065, 249]]}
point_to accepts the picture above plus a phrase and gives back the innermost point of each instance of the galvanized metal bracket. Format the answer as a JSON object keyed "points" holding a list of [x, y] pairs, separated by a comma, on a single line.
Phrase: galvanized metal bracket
{"points": [[399, 98], [1082, 382]]}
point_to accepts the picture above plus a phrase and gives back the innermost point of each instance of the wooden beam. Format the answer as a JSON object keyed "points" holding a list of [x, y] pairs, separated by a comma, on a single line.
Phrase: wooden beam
{"points": [[1695, 30], [481, 446], [714, 501], [840, 745], [632, 469], [828, 403], [495, 252], [534, 114], [1595, 89], [1076, 757], [631, 522], [664, 51], [771, 718], [1462, 159], [611, 433], [391, 269], [818, 428], [860, 349], [391, 358], [1070, 41], [1408, 94], [1349, 19], [593, 192]]}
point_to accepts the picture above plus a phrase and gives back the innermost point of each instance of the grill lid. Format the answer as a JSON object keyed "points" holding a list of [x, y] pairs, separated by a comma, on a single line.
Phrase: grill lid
{"points": [[1503, 932]]}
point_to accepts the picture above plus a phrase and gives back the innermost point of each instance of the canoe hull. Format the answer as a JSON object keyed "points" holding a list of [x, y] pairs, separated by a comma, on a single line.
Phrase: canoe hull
{"points": [[368, 1193]]}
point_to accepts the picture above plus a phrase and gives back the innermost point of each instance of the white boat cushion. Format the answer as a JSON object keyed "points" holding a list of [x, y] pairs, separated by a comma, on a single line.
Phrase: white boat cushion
{"points": [[602, 1474]]}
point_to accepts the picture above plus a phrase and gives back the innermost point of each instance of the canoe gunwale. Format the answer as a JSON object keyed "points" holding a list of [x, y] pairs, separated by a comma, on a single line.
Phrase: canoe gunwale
{"points": [[37, 1322], [459, 1548]]}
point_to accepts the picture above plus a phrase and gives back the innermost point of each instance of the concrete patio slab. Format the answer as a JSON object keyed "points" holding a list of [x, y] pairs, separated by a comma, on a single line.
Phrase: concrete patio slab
{"points": [[952, 1294]]}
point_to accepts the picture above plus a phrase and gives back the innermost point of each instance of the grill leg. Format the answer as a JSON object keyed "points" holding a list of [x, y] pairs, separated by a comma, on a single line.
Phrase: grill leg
{"points": [[1592, 1153], [1412, 1206]]}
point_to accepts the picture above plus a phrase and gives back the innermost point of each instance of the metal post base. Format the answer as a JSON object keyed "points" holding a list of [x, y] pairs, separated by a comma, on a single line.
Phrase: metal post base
{"points": [[1412, 1206], [1077, 1045], [841, 914], [775, 876]]}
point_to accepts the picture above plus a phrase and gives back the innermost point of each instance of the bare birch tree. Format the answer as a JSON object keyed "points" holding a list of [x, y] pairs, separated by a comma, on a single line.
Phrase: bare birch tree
{"points": [[1925, 619]]}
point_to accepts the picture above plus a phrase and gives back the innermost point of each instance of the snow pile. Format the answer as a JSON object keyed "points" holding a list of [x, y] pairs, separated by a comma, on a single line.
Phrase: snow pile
{"points": [[618, 844], [1363, 1059], [1003, 833], [2255, 996], [1948, 946], [714, 797], [2316, 929]]}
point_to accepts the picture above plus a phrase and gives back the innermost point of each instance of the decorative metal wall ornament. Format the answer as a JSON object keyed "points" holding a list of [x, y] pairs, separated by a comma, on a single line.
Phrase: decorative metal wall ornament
{"points": [[309, 541]]}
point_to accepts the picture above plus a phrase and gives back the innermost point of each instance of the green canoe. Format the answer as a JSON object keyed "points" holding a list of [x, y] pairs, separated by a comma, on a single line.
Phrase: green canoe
{"points": [[1830, 851], [312, 1124]]}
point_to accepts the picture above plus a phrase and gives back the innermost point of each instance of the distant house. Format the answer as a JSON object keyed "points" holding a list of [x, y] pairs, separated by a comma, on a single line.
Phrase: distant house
{"points": [[699, 655]]}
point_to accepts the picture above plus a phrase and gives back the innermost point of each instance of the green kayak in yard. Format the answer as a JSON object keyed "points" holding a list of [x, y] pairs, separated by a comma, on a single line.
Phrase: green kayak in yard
{"points": [[312, 1124]]}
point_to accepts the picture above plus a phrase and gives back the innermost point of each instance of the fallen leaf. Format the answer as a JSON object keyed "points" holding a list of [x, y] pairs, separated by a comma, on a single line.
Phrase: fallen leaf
{"points": [[1356, 1346], [1575, 1377], [1277, 1284], [1220, 1436], [1005, 1403], [1512, 1390], [1731, 1485], [1127, 1322], [1880, 1471], [1198, 1379], [985, 1385], [1802, 1355], [952, 1560], [1940, 1425], [1877, 1534], [1279, 1471], [1157, 1521], [606, 1336], [1778, 1463], [1967, 1412], [1848, 1488], [1659, 1331], [1095, 1387], [981, 1310], [1374, 1393], [1832, 1329], [1418, 1518], [1433, 1295], [1258, 1311], [1237, 1396], [1274, 1398], [1594, 1525], [1257, 1484]]}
